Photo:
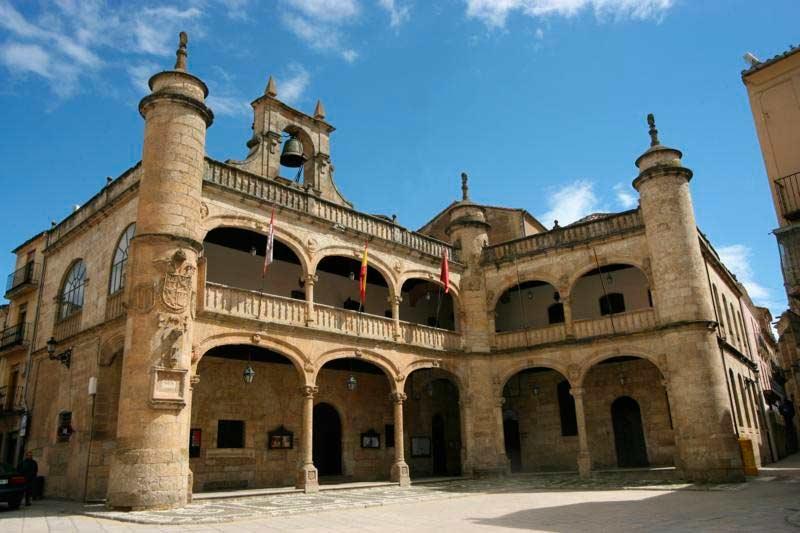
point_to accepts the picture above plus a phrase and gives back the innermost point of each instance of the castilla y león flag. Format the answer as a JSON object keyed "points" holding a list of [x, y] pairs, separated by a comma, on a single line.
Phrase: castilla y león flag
{"points": [[362, 279], [444, 276]]}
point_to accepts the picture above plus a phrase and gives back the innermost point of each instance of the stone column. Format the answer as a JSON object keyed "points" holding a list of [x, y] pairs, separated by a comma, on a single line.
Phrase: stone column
{"points": [[307, 475], [395, 302], [584, 456], [150, 466], [569, 325], [310, 280], [500, 401], [399, 471]]}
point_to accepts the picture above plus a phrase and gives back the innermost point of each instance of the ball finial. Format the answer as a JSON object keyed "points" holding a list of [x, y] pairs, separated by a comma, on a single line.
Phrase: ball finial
{"points": [[651, 121]]}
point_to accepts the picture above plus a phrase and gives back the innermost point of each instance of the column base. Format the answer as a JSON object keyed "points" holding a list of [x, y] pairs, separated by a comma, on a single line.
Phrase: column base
{"points": [[307, 478], [400, 474], [584, 464]]}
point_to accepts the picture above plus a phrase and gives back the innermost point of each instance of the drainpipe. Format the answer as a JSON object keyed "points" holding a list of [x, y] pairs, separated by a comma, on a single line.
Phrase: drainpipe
{"points": [[24, 421]]}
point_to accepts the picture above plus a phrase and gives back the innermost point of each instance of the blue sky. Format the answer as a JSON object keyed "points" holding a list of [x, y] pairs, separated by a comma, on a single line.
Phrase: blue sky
{"points": [[542, 102]]}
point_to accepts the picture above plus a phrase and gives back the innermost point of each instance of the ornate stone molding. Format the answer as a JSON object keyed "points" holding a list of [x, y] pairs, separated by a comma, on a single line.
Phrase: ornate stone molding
{"points": [[398, 397], [308, 391]]}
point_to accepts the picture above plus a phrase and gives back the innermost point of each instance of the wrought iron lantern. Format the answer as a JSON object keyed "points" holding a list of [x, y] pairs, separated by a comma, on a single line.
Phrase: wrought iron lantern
{"points": [[64, 357], [352, 383], [249, 374]]}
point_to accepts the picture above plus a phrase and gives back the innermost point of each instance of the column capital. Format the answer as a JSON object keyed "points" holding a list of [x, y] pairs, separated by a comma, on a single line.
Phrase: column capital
{"points": [[577, 392], [308, 391], [398, 397], [394, 299], [500, 401], [310, 279]]}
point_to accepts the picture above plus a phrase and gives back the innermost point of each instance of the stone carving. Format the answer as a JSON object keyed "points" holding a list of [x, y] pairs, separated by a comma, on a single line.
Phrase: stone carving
{"points": [[203, 210], [398, 397], [167, 388], [309, 368], [176, 287], [142, 298], [312, 244], [256, 338]]}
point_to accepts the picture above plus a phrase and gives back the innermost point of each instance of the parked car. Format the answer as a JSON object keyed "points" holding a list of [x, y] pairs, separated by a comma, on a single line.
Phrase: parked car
{"points": [[12, 486]]}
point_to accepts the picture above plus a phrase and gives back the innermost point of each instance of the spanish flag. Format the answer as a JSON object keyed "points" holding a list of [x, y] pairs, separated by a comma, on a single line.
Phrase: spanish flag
{"points": [[362, 279]]}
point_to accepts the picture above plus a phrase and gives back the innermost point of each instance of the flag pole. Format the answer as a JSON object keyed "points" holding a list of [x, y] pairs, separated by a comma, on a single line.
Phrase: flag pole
{"points": [[603, 286], [438, 304]]}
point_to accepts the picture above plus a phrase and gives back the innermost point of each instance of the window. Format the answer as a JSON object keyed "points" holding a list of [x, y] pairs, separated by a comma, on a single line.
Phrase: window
{"points": [[230, 434], [717, 307], [612, 303], [71, 297], [735, 326], [117, 281], [732, 385], [744, 401], [555, 313], [566, 408], [64, 431], [388, 430], [728, 324]]}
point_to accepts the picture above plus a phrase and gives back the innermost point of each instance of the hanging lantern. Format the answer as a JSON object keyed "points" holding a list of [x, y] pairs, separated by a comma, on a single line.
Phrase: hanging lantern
{"points": [[556, 296], [253, 251], [535, 389], [609, 279], [352, 383], [429, 388], [249, 374]]}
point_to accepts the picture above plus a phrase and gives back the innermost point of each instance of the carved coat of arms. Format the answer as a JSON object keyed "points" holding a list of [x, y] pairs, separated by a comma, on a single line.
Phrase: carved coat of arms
{"points": [[176, 288]]}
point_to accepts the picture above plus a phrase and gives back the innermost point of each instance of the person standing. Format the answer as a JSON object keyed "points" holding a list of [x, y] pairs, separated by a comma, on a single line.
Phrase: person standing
{"points": [[788, 411], [30, 469]]}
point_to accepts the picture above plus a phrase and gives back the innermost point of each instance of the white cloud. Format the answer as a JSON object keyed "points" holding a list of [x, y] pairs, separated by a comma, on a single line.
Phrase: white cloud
{"points": [[292, 87], [155, 29], [26, 58], [539, 34], [321, 23], [625, 196], [229, 106], [398, 13], [140, 74], [571, 202], [737, 258], [494, 13]]}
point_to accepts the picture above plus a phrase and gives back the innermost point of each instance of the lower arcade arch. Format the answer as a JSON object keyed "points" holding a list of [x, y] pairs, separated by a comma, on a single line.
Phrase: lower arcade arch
{"points": [[245, 434], [539, 422], [353, 422], [432, 422], [628, 417]]}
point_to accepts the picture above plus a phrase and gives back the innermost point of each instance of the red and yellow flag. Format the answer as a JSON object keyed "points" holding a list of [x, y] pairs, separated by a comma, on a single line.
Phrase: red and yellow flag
{"points": [[362, 279]]}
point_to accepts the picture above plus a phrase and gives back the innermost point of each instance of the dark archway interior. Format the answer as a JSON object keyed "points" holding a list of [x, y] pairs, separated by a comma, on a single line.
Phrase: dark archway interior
{"points": [[338, 286], [245, 240], [425, 302], [345, 266], [531, 304], [353, 364], [327, 436], [247, 352]]}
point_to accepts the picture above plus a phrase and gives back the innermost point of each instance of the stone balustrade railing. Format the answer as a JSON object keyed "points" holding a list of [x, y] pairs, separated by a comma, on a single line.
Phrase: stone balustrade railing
{"points": [[339, 217], [529, 337], [619, 223], [618, 323], [254, 305]]}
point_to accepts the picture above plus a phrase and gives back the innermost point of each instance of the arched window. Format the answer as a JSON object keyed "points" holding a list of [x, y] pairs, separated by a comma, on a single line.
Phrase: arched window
{"points": [[732, 385], [612, 303], [117, 280], [70, 298], [566, 409], [555, 313]]}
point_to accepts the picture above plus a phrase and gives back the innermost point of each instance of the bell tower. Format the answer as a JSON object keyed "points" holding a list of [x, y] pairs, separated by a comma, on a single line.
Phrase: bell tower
{"points": [[283, 135], [150, 467]]}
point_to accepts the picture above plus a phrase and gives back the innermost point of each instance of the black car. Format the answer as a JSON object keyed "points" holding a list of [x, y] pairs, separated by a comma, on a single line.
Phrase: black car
{"points": [[12, 486]]}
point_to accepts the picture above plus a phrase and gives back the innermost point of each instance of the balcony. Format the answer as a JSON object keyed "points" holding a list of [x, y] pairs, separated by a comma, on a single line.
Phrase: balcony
{"points": [[618, 224], [334, 215], [115, 305], [234, 302], [22, 280], [68, 326], [789, 247], [13, 336], [788, 188], [627, 322], [11, 399]]}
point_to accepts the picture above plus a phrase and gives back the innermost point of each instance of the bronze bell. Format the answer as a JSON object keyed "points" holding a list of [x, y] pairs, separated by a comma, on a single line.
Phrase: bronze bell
{"points": [[292, 153]]}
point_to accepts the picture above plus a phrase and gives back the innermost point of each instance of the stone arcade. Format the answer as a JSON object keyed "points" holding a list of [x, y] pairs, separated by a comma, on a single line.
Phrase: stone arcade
{"points": [[617, 341]]}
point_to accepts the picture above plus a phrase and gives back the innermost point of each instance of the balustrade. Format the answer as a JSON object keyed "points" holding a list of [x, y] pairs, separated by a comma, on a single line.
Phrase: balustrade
{"points": [[618, 323]]}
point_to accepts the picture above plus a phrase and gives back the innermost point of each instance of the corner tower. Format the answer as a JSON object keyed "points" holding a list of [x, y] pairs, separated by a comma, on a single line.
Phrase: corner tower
{"points": [[150, 468], [694, 376]]}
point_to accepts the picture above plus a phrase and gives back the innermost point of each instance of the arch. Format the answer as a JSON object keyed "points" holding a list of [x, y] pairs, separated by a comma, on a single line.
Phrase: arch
{"points": [[71, 290], [309, 150], [110, 348], [282, 234], [608, 261], [428, 363], [448, 309], [384, 363], [119, 260], [298, 359], [525, 278], [531, 308], [430, 276], [352, 252], [591, 362], [591, 293], [525, 365]]}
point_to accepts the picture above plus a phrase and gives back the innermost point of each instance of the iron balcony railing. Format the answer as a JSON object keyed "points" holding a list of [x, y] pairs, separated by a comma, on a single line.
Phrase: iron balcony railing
{"points": [[789, 247], [10, 399], [14, 336], [789, 196], [27, 275]]}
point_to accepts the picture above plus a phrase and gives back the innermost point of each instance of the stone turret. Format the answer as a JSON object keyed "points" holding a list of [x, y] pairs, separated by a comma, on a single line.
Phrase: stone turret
{"points": [[707, 448], [150, 468]]}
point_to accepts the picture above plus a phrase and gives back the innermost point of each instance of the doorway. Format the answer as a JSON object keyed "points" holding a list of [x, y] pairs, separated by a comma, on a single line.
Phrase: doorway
{"points": [[327, 445], [512, 440], [626, 418], [438, 445]]}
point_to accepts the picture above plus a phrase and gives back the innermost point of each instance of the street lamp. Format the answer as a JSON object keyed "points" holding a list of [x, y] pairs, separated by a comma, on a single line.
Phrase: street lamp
{"points": [[64, 357], [352, 383]]}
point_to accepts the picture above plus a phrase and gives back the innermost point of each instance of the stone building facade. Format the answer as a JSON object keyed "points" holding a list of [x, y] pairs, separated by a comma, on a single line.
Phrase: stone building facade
{"points": [[617, 341]]}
